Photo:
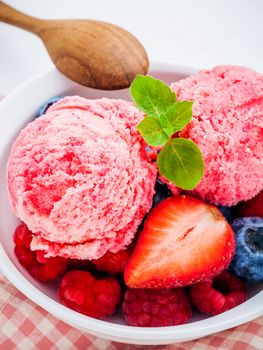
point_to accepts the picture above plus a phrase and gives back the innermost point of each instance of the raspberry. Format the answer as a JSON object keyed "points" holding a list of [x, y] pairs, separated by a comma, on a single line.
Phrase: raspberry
{"points": [[25, 256], [112, 263], [253, 207], [51, 269], [22, 236], [156, 308], [80, 291], [41, 268], [77, 264], [152, 153], [218, 295]]}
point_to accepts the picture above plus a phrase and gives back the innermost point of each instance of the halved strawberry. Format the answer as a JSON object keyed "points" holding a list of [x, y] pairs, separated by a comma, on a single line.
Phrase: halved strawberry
{"points": [[183, 241]]}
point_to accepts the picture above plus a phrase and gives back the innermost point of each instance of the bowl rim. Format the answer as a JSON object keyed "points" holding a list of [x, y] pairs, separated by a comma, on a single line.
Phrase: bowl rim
{"points": [[245, 312]]}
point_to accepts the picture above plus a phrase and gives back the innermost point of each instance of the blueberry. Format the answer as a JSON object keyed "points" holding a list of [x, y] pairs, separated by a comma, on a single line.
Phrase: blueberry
{"points": [[227, 212], [161, 192], [46, 105], [248, 260]]}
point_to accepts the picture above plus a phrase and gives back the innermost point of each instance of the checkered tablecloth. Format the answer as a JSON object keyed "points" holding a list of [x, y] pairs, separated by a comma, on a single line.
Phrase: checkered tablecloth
{"points": [[26, 326]]}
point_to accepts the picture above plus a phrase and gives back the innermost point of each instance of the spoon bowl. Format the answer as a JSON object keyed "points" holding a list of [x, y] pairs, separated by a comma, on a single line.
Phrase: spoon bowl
{"points": [[93, 53]]}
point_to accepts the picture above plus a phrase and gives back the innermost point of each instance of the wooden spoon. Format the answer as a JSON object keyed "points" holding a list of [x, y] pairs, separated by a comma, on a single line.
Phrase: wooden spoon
{"points": [[93, 53]]}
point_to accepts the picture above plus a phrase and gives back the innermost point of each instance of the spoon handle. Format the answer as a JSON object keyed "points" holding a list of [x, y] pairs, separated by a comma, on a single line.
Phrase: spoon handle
{"points": [[11, 16]]}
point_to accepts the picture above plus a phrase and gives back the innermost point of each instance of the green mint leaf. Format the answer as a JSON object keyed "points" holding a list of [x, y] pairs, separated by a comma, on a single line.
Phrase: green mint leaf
{"points": [[164, 122], [152, 132], [151, 95], [177, 116], [168, 131], [181, 162]]}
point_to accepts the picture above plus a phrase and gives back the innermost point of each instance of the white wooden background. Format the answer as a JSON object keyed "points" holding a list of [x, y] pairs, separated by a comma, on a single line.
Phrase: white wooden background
{"points": [[200, 33]]}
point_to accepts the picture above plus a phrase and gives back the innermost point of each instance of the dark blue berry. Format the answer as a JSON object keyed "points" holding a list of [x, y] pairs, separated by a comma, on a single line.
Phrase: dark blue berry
{"points": [[248, 260], [42, 110], [227, 212], [161, 192]]}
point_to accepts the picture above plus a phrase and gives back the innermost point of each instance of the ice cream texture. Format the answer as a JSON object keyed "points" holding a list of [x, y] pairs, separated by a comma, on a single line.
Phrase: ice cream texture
{"points": [[227, 125], [80, 178]]}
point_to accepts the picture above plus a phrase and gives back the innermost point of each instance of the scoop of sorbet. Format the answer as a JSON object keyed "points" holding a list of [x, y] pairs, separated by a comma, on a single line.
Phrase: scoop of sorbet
{"points": [[80, 178], [227, 125]]}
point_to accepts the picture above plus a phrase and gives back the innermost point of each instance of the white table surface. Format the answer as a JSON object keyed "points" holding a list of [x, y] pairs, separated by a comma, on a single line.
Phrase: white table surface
{"points": [[200, 33]]}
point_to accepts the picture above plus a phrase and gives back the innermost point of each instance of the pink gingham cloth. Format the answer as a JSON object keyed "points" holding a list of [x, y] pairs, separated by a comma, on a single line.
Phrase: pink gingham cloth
{"points": [[26, 326]]}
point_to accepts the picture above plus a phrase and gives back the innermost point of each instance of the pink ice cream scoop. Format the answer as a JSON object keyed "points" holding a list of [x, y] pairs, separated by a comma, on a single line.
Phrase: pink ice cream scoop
{"points": [[80, 178], [227, 125]]}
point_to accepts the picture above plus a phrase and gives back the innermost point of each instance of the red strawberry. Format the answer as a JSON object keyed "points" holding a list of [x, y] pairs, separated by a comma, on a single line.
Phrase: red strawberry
{"points": [[183, 241]]}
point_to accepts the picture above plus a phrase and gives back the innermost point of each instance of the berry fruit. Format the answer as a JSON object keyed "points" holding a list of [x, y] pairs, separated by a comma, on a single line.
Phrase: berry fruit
{"points": [[156, 308], [248, 260], [218, 295], [25, 256], [80, 291], [227, 212], [161, 192], [77, 264], [42, 110], [50, 270], [152, 152], [253, 207], [183, 241], [41, 268], [112, 263], [22, 236]]}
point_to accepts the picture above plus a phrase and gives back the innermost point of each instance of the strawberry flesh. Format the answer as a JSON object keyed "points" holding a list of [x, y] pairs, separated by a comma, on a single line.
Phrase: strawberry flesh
{"points": [[183, 241]]}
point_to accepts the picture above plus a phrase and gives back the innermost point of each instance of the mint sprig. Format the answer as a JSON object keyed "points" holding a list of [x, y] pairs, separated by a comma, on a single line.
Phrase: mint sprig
{"points": [[180, 160], [151, 96], [153, 132], [177, 116]]}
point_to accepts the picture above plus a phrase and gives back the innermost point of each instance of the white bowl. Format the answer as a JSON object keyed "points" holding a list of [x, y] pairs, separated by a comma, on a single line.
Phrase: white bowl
{"points": [[16, 111]]}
